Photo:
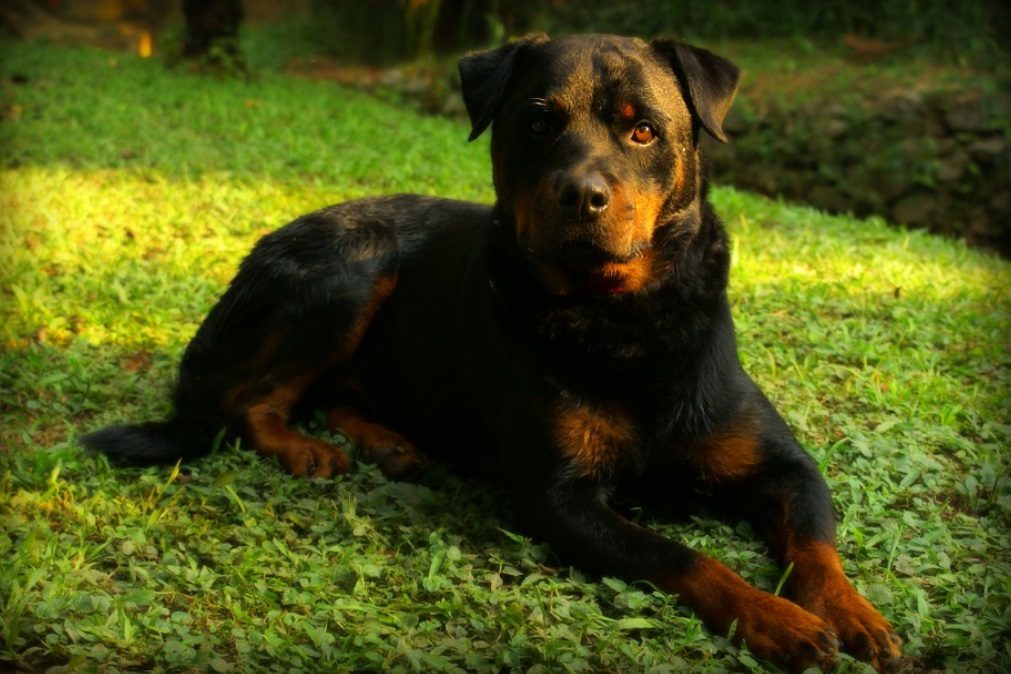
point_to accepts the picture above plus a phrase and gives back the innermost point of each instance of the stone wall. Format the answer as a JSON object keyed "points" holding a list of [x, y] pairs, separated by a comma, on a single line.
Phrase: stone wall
{"points": [[939, 160]]}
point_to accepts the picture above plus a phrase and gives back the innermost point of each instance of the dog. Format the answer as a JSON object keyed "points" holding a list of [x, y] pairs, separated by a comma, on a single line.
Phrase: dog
{"points": [[573, 343]]}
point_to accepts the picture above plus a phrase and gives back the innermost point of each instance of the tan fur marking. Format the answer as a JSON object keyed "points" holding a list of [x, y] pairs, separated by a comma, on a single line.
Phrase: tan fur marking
{"points": [[816, 565], [523, 213], [634, 213], [680, 173], [594, 439], [382, 289], [729, 454]]}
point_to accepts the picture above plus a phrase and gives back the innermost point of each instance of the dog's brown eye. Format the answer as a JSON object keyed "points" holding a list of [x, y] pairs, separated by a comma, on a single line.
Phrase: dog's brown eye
{"points": [[643, 133], [540, 127]]}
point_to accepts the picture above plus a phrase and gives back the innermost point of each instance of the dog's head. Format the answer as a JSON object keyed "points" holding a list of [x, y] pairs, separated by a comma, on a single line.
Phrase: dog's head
{"points": [[595, 150]]}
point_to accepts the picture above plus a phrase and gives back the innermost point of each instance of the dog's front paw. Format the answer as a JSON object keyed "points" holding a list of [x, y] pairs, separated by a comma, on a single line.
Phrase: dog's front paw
{"points": [[819, 584], [864, 632], [780, 631]]}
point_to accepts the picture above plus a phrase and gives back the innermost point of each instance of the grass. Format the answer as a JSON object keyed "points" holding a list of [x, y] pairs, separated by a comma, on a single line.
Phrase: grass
{"points": [[128, 196]]}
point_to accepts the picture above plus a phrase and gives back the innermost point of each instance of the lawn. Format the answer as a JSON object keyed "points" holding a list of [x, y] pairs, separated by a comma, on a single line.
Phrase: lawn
{"points": [[129, 193]]}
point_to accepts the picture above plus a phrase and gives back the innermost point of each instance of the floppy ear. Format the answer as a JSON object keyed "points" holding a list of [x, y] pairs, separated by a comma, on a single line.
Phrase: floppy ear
{"points": [[484, 78], [709, 82]]}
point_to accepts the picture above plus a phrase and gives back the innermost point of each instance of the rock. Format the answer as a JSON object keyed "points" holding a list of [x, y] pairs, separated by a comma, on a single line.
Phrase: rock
{"points": [[939, 160], [828, 199], [965, 115], [917, 150], [923, 124], [988, 149], [393, 78], [914, 209], [1001, 202], [836, 109], [952, 168], [415, 85], [836, 127], [946, 145], [982, 227], [899, 104], [890, 185]]}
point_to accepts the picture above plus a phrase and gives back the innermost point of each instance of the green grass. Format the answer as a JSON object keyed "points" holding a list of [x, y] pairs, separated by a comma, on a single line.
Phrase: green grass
{"points": [[128, 196]]}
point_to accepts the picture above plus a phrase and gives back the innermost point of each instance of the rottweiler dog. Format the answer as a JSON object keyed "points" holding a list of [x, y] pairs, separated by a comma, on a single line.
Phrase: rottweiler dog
{"points": [[573, 342]]}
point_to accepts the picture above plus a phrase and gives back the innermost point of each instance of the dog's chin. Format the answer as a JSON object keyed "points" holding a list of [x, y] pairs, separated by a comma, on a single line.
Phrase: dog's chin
{"points": [[607, 281], [603, 279]]}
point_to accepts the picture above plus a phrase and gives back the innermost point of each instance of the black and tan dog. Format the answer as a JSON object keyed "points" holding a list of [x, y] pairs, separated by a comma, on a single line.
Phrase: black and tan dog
{"points": [[573, 342]]}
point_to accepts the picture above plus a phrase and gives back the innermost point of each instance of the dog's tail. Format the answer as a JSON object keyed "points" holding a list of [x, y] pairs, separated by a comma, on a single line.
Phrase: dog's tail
{"points": [[152, 443]]}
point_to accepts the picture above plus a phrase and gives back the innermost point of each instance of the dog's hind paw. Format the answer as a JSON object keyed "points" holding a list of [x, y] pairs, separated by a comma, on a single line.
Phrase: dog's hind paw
{"points": [[398, 461], [395, 456], [313, 458]]}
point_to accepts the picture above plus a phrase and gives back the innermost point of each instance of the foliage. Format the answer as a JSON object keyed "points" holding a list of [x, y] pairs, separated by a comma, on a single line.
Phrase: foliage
{"points": [[381, 31], [978, 27], [129, 194], [384, 30], [919, 143]]}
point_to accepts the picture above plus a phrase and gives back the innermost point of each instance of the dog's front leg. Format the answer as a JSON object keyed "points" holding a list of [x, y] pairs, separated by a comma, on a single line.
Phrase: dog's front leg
{"points": [[757, 471], [575, 518], [788, 502]]}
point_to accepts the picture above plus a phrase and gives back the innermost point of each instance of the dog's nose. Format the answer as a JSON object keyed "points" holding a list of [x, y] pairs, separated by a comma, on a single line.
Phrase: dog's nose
{"points": [[588, 193]]}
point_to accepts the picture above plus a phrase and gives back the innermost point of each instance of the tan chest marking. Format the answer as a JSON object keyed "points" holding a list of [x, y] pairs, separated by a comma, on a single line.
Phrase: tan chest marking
{"points": [[729, 454], [594, 439]]}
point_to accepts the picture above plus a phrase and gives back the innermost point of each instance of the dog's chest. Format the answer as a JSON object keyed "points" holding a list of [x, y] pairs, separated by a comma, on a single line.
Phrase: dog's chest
{"points": [[598, 440]]}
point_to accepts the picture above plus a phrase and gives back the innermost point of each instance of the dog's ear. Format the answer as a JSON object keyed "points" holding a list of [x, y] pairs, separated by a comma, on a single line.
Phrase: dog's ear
{"points": [[709, 82], [484, 79]]}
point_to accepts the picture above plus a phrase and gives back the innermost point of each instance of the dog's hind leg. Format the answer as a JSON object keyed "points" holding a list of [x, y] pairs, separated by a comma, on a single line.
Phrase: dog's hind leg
{"points": [[267, 428], [299, 307], [297, 310], [266, 409]]}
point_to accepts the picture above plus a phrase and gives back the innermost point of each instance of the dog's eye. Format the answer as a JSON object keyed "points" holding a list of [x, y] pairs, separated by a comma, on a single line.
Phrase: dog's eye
{"points": [[540, 126], [643, 133]]}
